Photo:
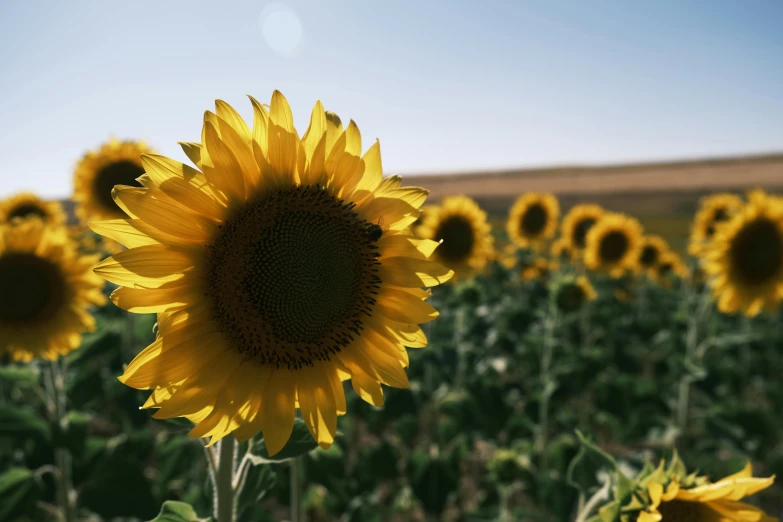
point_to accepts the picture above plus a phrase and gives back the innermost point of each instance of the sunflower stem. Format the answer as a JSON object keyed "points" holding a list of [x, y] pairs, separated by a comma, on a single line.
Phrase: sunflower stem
{"points": [[224, 478], [296, 492], [549, 385], [56, 389]]}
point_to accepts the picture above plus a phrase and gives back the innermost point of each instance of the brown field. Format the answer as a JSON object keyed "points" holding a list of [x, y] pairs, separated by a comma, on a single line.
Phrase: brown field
{"points": [[662, 195]]}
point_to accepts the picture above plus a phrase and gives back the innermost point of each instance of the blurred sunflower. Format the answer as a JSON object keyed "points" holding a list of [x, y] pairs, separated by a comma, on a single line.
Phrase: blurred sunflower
{"points": [[280, 268], [561, 248], [26, 204], [670, 265], [46, 292], [652, 248], [714, 211], [533, 219], [613, 244], [572, 293], [99, 171], [579, 220], [461, 225], [538, 268], [707, 502], [745, 258]]}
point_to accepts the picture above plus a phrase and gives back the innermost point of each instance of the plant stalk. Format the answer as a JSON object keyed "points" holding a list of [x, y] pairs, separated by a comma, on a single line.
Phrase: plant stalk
{"points": [[224, 487], [547, 354], [296, 492], [64, 482]]}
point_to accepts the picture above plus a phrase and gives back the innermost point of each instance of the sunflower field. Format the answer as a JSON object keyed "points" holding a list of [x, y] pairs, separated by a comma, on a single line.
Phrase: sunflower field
{"points": [[280, 331]]}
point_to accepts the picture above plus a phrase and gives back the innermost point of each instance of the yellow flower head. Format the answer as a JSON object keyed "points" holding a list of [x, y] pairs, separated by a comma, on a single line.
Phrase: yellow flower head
{"points": [[709, 502], [279, 267], [26, 204], [46, 291], [713, 213], [533, 219], [577, 223], [652, 248], [466, 235], [745, 258], [99, 171], [613, 244]]}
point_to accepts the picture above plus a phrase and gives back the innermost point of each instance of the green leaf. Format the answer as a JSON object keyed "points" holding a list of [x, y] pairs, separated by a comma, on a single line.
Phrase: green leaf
{"points": [[22, 422], [19, 493], [300, 443], [178, 512], [22, 376]]}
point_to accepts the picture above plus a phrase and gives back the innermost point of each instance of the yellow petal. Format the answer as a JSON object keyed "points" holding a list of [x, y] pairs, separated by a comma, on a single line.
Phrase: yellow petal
{"points": [[407, 271], [170, 296], [402, 306], [184, 184], [151, 266], [316, 400], [278, 410], [224, 172]]}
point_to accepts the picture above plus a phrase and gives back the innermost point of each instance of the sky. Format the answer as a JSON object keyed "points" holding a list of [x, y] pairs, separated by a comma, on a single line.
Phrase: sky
{"points": [[447, 86]]}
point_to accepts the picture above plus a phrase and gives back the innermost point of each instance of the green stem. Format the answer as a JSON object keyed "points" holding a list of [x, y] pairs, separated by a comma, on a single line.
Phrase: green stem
{"points": [[62, 456], [547, 379], [296, 492], [224, 496], [459, 332]]}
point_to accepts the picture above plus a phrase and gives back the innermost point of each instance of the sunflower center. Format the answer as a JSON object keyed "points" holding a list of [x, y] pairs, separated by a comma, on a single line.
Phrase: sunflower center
{"points": [[292, 275], [681, 511], [25, 211], [757, 252], [580, 231], [570, 297], [613, 246], [123, 172], [534, 220], [33, 289], [649, 256], [457, 235]]}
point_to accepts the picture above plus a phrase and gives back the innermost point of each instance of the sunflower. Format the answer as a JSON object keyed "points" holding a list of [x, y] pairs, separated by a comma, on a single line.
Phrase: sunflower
{"points": [[579, 220], [650, 252], [708, 502], [745, 258], [533, 219], [561, 248], [613, 243], [27, 204], [670, 265], [714, 211], [99, 171], [572, 293], [466, 237], [278, 269], [46, 292], [538, 268]]}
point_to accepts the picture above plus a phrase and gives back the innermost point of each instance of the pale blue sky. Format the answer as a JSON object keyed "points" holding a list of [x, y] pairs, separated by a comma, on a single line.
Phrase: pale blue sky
{"points": [[446, 85]]}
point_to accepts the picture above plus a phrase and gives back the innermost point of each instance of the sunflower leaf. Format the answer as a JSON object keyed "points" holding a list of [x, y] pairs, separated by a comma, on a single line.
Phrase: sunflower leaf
{"points": [[172, 511], [300, 443], [19, 493]]}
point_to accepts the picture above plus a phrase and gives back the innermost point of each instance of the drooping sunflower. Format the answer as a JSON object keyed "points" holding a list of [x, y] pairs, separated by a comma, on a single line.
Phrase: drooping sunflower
{"points": [[579, 220], [613, 244], [46, 292], [279, 268], [572, 293], [26, 204], [745, 258], [533, 219], [708, 502], [462, 226], [714, 212], [650, 252], [99, 171]]}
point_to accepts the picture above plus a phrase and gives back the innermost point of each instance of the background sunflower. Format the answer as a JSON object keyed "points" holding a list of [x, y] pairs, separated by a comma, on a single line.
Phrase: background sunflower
{"points": [[613, 244], [26, 205], [714, 212], [576, 224], [533, 218], [46, 292]]}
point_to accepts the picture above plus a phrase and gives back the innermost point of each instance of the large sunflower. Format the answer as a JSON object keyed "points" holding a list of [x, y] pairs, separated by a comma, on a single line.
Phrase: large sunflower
{"points": [[26, 204], [462, 227], [613, 244], [709, 502], [99, 171], [279, 268], [46, 292], [714, 212], [533, 219], [579, 220], [745, 258], [650, 252]]}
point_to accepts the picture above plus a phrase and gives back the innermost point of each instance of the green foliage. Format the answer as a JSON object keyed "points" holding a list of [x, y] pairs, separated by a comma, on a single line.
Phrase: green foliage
{"points": [[178, 512]]}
